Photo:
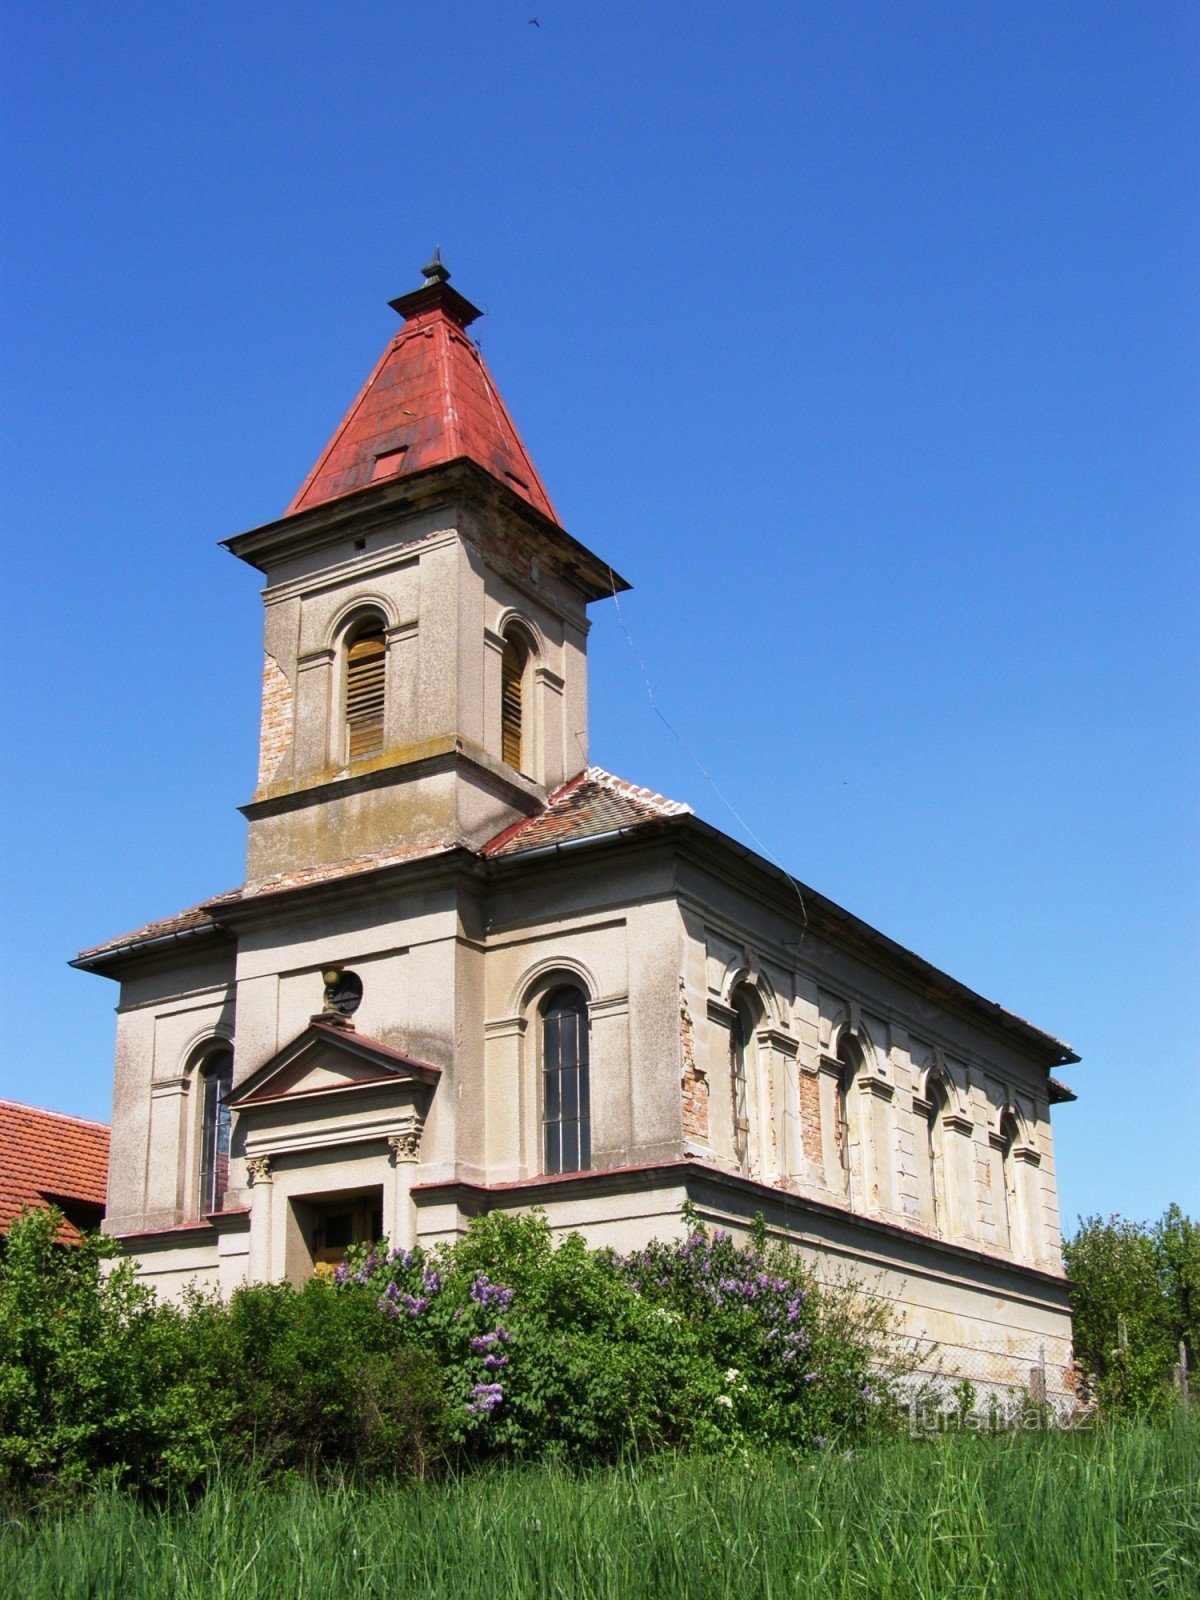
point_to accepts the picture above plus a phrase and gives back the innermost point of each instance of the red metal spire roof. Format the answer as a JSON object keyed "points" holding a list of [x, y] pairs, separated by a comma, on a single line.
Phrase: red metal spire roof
{"points": [[430, 400]]}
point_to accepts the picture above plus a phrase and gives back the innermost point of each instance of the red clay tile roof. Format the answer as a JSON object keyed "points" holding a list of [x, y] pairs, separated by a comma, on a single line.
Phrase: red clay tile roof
{"points": [[593, 803], [189, 921], [47, 1158], [430, 400], [201, 916]]}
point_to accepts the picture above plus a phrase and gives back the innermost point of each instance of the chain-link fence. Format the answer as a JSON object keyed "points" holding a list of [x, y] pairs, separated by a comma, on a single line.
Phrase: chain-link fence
{"points": [[1033, 1386]]}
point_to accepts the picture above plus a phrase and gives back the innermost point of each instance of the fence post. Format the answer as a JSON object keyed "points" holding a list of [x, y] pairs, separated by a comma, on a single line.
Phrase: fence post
{"points": [[1037, 1378], [1181, 1376]]}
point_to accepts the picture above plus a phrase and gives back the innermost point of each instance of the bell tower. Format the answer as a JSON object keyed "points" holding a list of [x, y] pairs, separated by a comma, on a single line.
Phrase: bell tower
{"points": [[425, 640]]}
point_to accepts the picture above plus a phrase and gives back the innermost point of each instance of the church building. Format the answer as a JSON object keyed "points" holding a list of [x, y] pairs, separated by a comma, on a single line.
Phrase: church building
{"points": [[467, 971]]}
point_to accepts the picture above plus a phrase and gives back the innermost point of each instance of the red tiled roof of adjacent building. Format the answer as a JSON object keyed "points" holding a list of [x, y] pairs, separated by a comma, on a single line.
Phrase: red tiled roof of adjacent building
{"points": [[429, 401], [593, 803], [48, 1158]]}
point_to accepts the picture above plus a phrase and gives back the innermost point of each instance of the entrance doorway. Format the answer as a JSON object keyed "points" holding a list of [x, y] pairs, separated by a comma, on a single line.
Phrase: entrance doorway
{"points": [[338, 1224]]}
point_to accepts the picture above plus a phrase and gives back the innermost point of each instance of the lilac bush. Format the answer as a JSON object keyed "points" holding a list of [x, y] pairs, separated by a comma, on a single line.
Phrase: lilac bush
{"points": [[694, 1343]]}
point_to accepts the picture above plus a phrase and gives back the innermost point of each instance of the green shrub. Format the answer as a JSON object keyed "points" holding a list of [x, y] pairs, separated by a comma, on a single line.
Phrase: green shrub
{"points": [[94, 1373], [562, 1349], [504, 1345], [1135, 1295]]}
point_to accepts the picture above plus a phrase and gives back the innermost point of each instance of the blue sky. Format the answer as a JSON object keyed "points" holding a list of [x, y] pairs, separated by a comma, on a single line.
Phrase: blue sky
{"points": [[861, 338]]}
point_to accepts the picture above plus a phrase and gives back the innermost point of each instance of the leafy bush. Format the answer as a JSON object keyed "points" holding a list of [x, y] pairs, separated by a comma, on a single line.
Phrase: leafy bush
{"points": [[562, 1349], [94, 1375], [503, 1345], [1135, 1295]]}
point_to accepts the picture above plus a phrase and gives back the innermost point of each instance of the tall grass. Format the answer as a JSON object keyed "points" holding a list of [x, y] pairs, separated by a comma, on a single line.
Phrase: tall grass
{"points": [[1116, 1513]]}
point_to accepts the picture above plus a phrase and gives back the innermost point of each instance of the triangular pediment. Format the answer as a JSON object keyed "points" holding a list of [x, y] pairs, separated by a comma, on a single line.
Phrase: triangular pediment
{"points": [[326, 1060]]}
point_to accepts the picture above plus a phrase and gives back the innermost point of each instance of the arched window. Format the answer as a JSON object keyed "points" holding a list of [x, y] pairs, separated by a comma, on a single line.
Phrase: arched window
{"points": [[935, 1150], [366, 662], [849, 1053], [566, 1097], [512, 700], [216, 1080], [1009, 1133], [741, 1058]]}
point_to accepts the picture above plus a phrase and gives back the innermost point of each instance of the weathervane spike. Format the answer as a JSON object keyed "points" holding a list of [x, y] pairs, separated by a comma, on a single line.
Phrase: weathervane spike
{"points": [[436, 272]]}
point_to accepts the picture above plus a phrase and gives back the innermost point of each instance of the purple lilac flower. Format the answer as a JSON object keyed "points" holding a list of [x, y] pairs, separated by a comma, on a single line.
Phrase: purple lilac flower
{"points": [[480, 1344], [820, 1441], [388, 1306], [402, 1258], [486, 1397], [432, 1281], [811, 1377], [340, 1273], [392, 1291], [415, 1304], [869, 1394], [493, 1362], [491, 1294]]}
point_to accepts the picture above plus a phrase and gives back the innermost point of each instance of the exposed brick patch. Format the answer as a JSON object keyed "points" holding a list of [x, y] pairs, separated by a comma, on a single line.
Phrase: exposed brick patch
{"points": [[810, 1117], [277, 716], [694, 1081]]}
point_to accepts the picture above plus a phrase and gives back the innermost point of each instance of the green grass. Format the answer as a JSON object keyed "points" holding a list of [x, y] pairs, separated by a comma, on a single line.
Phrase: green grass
{"points": [[1115, 1513]]}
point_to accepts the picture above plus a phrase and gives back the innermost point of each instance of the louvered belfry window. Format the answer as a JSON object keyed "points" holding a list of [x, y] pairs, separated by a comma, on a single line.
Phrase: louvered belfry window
{"points": [[512, 674], [365, 665]]}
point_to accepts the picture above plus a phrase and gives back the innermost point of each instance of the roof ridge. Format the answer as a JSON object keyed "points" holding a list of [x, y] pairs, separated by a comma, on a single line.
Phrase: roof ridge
{"points": [[634, 791], [45, 1111]]}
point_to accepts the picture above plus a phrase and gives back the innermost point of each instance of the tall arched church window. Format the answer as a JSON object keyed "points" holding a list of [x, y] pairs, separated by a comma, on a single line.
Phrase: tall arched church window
{"points": [[849, 1053], [935, 1150], [216, 1080], [741, 1054], [366, 662], [566, 1094], [512, 701], [1012, 1220]]}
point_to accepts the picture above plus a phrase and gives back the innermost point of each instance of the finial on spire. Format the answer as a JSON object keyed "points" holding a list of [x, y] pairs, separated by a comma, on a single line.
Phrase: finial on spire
{"points": [[435, 293], [436, 271]]}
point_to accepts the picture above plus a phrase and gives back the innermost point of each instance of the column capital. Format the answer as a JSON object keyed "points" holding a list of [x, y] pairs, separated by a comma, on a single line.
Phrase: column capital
{"points": [[258, 1169], [405, 1144]]}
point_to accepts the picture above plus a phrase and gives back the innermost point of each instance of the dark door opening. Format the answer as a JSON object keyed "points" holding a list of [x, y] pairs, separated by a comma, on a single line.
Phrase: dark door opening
{"points": [[338, 1224]]}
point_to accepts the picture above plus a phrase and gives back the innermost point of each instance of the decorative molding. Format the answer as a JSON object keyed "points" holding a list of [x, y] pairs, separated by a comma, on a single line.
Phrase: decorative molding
{"points": [[1027, 1154], [400, 631], [505, 1028], [608, 1005], [958, 1123], [778, 1040], [177, 1085], [830, 1065], [258, 1170], [322, 657], [718, 1011], [406, 1144], [548, 676], [879, 1087]]}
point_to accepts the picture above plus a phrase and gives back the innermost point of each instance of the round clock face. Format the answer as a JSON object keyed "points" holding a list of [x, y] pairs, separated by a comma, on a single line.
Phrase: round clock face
{"points": [[344, 993]]}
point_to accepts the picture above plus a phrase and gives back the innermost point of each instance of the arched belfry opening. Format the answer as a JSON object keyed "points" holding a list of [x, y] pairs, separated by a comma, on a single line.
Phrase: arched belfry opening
{"points": [[514, 697], [366, 689]]}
